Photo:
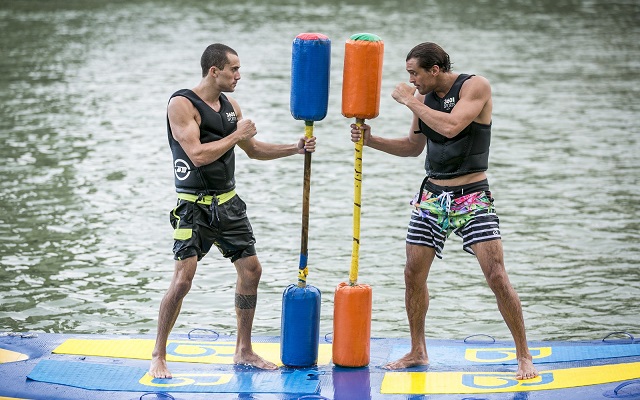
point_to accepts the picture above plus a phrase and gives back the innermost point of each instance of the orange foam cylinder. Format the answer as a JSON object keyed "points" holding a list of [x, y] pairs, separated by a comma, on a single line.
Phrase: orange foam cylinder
{"points": [[362, 76], [352, 325]]}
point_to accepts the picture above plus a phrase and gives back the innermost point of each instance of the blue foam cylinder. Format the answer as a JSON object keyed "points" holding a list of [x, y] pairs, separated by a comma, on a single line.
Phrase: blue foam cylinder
{"points": [[310, 64], [300, 326]]}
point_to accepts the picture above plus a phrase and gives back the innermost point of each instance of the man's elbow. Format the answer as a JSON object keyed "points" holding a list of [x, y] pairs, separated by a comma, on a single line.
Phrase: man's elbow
{"points": [[197, 163], [451, 131], [414, 151], [251, 153], [255, 156], [200, 160]]}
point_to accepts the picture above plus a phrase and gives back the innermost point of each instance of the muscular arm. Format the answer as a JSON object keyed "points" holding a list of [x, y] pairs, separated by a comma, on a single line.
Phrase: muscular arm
{"points": [[259, 150], [184, 122], [269, 151], [474, 105], [407, 146]]}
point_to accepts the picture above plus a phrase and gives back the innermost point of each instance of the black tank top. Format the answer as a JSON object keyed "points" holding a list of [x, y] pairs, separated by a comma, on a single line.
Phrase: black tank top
{"points": [[217, 177], [463, 154]]}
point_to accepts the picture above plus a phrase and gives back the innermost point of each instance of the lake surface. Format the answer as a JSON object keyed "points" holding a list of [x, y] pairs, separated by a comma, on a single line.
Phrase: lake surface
{"points": [[85, 242]]}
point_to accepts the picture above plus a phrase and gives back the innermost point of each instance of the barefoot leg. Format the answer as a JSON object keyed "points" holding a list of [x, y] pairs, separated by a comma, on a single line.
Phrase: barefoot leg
{"points": [[490, 257], [249, 272], [170, 306], [419, 259]]}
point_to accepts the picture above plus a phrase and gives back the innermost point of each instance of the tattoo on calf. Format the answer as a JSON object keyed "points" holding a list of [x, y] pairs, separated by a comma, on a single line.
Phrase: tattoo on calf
{"points": [[246, 301]]}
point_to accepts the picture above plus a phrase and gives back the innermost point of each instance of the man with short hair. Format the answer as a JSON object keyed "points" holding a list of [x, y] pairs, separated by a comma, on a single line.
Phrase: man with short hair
{"points": [[204, 125], [452, 117]]}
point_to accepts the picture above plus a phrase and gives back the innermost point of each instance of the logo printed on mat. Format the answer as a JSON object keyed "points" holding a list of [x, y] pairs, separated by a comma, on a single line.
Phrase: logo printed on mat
{"points": [[502, 355], [501, 380], [189, 349], [186, 380]]}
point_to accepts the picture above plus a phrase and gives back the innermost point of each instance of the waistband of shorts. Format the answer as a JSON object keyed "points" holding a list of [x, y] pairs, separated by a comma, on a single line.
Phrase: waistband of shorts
{"points": [[457, 191], [207, 199]]}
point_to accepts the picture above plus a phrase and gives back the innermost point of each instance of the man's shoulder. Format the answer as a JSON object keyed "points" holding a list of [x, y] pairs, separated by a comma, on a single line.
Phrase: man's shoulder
{"points": [[181, 106], [478, 80], [182, 93], [179, 100], [476, 84]]}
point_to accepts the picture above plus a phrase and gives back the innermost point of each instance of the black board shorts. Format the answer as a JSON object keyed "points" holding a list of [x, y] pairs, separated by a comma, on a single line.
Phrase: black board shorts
{"points": [[199, 222]]}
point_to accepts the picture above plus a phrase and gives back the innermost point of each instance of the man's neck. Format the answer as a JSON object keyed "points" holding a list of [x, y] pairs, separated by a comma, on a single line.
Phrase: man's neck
{"points": [[447, 79], [210, 95]]}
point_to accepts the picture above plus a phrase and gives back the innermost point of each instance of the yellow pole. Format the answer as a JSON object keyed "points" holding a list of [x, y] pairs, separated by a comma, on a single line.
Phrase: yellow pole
{"points": [[357, 206]]}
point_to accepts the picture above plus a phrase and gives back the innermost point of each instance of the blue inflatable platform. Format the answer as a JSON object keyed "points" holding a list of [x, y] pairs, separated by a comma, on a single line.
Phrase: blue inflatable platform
{"points": [[68, 366]]}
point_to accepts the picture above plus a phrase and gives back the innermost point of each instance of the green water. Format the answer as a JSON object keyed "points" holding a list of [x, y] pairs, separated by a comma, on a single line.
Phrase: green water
{"points": [[85, 243]]}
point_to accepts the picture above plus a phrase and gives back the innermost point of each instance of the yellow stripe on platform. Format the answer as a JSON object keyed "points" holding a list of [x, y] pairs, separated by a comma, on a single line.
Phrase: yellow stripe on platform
{"points": [[7, 356], [503, 382], [207, 352]]}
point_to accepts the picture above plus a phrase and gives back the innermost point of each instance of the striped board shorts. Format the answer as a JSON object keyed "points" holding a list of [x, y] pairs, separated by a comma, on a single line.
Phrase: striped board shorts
{"points": [[466, 210]]}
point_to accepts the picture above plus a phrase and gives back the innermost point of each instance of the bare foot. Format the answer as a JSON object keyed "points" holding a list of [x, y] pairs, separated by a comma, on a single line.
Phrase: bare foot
{"points": [[409, 360], [526, 370], [158, 368], [254, 360]]}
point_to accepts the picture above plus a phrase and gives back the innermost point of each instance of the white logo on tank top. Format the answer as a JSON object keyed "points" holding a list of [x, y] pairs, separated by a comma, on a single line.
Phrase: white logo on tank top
{"points": [[181, 169], [449, 103], [231, 117]]}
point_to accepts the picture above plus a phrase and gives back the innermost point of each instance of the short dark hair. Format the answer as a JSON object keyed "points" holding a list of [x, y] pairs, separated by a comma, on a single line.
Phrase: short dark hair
{"points": [[215, 55], [429, 54]]}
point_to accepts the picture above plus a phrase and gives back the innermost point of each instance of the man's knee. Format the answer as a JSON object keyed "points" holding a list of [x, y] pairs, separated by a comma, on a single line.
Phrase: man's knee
{"points": [[181, 287], [498, 280], [419, 259], [411, 271], [183, 277], [249, 269]]}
